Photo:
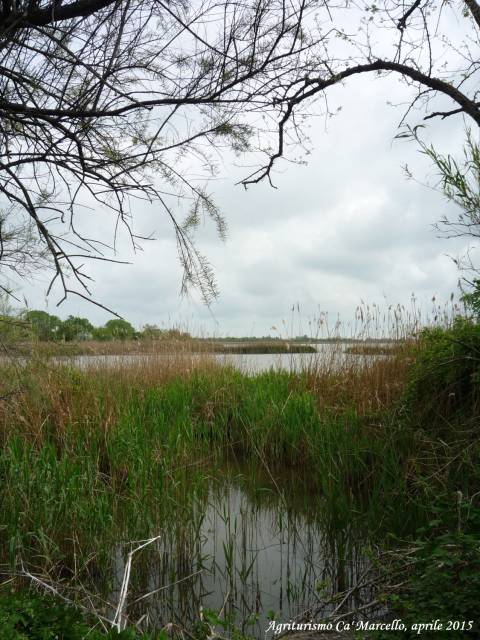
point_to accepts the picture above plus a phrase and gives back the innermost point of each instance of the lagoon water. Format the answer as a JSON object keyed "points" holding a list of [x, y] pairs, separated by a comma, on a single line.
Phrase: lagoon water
{"points": [[251, 543], [330, 355], [254, 550]]}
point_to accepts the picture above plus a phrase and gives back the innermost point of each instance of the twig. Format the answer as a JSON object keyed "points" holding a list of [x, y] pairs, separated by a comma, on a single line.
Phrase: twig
{"points": [[48, 587], [118, 618], [167, 586]]}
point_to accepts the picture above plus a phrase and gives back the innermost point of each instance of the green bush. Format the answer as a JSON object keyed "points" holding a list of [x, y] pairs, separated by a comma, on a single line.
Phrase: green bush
{"points": [[444, 383], [26, 615], [444, 580]]}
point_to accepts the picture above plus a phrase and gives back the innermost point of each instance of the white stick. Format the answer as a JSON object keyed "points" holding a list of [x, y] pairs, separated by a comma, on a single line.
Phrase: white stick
{"points": [[118, 618]]}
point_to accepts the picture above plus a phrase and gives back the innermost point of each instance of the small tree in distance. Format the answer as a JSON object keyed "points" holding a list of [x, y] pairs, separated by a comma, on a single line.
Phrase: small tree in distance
{"points": [[119, 329], [44, 326], [152, 332], [74, 328]]}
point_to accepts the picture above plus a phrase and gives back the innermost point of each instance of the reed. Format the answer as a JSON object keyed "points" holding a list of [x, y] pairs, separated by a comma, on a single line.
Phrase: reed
{"points": [[92, 456], [87, 446]]}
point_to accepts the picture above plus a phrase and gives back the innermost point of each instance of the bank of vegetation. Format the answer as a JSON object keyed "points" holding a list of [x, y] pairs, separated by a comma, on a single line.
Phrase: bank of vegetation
{"points": [[390, 449], [38, 333]]}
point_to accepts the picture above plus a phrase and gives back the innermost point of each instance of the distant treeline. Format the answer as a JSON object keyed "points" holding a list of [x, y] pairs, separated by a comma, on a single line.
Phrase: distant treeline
{"points": [[39, 325], [43, 326], [46, 327]]}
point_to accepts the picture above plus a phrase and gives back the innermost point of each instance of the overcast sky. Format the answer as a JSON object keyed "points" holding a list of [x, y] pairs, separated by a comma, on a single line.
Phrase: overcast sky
{"points": [[347, 227]]}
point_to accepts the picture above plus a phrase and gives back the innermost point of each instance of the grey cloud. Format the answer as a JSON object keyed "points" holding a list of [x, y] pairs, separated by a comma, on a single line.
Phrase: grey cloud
{"points": [[345, 227]]}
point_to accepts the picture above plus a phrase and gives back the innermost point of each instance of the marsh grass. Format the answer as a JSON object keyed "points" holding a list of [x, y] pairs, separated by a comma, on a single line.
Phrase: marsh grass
{"points": [[92, 457], [154, 347], [104, 449]]}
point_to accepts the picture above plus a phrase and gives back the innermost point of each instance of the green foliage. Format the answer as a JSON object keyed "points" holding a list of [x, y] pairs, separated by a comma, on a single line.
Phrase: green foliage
{"points": [[102, 334], [444, 583], [211, 620], [74, 328], [471, 299], [12, 328], [27, 615], [120, 329], [44, 326], [152, 332], [444, 384], [460, 182]]}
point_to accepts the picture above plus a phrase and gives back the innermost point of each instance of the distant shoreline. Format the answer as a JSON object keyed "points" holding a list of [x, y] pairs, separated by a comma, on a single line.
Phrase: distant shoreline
{"points": [[195, 345]]}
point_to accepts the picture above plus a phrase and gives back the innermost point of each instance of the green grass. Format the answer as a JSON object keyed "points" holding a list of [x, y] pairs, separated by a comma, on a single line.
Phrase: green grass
{"points": [[29, 615], [121, 462], [89, 458]]}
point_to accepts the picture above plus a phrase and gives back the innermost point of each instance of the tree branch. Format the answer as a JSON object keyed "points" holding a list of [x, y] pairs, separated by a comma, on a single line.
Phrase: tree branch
{"points": [[54, 12], [474, 8], [402, 23]]}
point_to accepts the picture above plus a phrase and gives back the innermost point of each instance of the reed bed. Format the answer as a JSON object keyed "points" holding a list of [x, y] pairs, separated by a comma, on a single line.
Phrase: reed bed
{"points": [[92, 456], [80, 448]]}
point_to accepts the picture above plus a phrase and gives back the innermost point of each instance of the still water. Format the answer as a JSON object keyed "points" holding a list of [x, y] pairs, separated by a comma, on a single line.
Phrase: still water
{"points": [[331, 356], [252, 553], [249, 545]]}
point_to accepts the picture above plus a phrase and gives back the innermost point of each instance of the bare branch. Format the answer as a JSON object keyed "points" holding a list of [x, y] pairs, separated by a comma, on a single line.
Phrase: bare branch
{"points": [[108, 105]]}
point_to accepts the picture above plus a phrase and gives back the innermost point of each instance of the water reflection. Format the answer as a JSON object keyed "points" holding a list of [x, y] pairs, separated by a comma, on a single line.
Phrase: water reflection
{"points": [[247, 555], [331, 356]]}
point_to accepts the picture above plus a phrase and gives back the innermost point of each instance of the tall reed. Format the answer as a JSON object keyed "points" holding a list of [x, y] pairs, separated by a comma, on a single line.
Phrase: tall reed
{"points": [[90, 456]]}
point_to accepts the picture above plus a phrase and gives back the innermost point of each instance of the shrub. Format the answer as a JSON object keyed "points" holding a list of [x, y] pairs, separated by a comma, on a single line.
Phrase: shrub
{"points": [[27, 615], [444, 384], [443, 576]]}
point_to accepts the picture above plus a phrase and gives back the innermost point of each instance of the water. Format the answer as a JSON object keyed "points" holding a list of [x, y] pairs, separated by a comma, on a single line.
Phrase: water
{"points": [[332, 355], [244, 544], [252, 553]]}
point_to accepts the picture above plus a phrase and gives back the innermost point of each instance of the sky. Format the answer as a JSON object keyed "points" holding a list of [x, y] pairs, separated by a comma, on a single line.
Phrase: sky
{"points": [[345, 228]]}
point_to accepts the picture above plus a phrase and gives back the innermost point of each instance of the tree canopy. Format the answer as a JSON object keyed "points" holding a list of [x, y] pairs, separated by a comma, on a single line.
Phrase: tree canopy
{"points": [[44, 325], [17, 325], [108, 102], [74, 328]]}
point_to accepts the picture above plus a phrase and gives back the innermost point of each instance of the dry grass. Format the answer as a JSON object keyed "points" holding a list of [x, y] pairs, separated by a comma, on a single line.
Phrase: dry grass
{"points": [[42, 393], [104, 431], [367, 387], [95, 391]]}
